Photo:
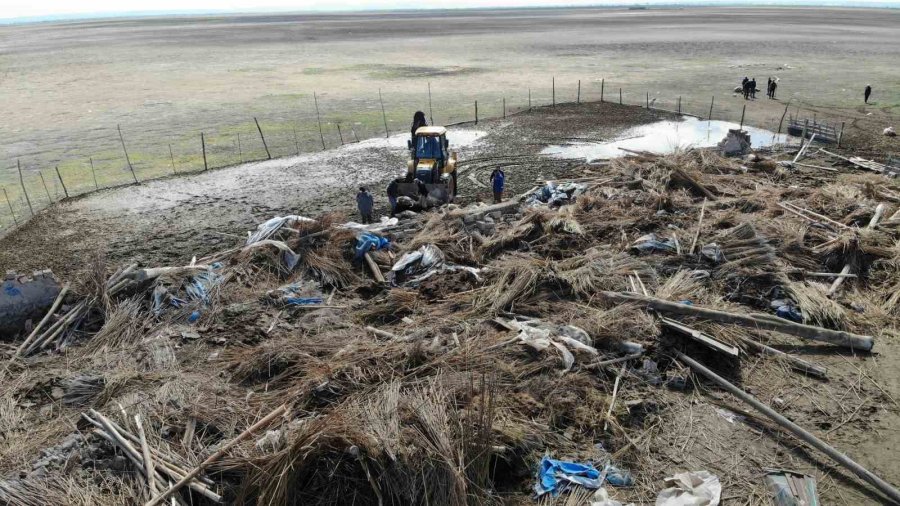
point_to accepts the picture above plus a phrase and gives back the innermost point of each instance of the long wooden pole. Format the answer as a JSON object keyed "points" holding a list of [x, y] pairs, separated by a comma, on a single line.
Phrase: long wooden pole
{"points": [[504, 107], [217, 455], [263, 137], [63, 183], [751, 320], [37, 329], [22, 183], [297, 142], [94, 173], [781, 122], [476, 112], [711, 104], [203, 147], [43, 182], [602, 85], [578, 97], [620, 96], [387, 133], [240, 149], [648, 100], [554, 91], [866, 475], [125, 150], [340, 135], [172, 156], [743, 111], [13, 213]]}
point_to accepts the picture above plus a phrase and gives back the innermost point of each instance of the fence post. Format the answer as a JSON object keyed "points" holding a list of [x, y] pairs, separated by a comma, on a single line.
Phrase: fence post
{"points": [[387, 133], [13, 213], [504, 107], [172, 156], [743, 110], [554, 91], [127, 159], [319, 119], [529, 99], [354, 133], [476, 112], [45, 187], [22, 182], [782, 117], [296, 142], [602, 86], [803, 133], [240, 151], [578, 97], [648, 100], [340, 135], [66, 191], [679, 105], [841, 135], [261, 136], [711, 103], [620, 96], [94, 173], [203, 147], [430, 110]]}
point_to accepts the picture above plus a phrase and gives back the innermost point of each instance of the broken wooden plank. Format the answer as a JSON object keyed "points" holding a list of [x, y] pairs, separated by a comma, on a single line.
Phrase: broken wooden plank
{"points": [[376, 271], [702, 338], [795, 362]]}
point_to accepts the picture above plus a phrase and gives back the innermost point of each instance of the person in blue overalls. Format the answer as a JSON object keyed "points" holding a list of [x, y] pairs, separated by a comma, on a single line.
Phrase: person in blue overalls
{"points": [[498, 180]]}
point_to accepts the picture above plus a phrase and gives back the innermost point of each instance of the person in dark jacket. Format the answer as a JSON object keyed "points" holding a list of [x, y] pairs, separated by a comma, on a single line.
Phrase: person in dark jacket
{"points": [[365, 203], [772, 88], [745, 89], [418, 122], [868, 92], [769, 88], [498, 181], [752, 86], [392, 195]]}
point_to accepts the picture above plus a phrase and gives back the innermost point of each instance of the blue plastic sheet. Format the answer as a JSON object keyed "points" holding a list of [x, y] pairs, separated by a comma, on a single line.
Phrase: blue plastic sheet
{"points": [[555, 475], [368, 241]]}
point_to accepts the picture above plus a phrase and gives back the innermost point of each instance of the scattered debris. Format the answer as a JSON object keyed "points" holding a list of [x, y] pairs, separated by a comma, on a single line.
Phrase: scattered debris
{"points": [[695, 488]]}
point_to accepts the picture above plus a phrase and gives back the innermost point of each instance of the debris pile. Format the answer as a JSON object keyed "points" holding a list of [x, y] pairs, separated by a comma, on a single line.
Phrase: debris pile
{"points": [[551, 345]]}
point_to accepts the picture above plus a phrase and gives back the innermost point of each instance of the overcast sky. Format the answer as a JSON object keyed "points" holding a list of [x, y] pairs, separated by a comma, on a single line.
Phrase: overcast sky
{"points": [[65, 8]]}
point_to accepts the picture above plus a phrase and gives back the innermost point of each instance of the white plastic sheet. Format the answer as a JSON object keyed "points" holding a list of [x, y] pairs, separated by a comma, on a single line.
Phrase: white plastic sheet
{"points": [[695, 488]]}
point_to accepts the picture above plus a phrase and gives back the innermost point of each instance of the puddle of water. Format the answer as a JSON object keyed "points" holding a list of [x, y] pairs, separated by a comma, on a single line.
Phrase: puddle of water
{"points": [[663, 137], [457, 138]]}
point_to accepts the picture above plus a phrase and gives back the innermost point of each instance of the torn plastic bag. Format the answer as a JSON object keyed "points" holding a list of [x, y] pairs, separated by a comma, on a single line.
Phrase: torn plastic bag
{"points": [[296, 294], [367, 241], [650, 244], [202, 283], [267, 229], [289, 259], [713, 253], [416, 263], [540, 336], [383, 224], [696, 488], [554, 476], [555, 195]]}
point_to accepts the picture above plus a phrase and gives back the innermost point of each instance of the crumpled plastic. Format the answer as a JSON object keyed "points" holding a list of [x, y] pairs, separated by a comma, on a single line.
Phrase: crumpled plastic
{"points": [[288, 257], [650, 243], [367, 241], [786, 309], [296, 294], [601, 498], [268, 228], [541, 336], [383, 223], [713, 253], [197, 288], [695, 488], [554, 476], [555, 195]]}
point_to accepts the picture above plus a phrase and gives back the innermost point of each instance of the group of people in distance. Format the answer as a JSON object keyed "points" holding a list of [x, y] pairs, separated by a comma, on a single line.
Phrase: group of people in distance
{"points": [[749, 88]]}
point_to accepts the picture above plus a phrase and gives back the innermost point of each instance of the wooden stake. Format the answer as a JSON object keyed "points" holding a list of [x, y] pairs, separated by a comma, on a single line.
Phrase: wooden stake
{"points": [[883, 486], [578, 97], [66, 191], [620, 96], [45, 187], [554, 91], [374, 268], [203, 147], [711, 103], [476, 112], [602, 85], [504, 107], [340, 135], [125, 150], [780, 122], [261, 136], [841, 135], [354, 133], [699, 226], [529, 99], [217, 455], [94, 173], [648, 100], [744, 110], [240, 149], [679, 105], [430, 111], [319, 119], [387, 133], [22, 182], [148, 460], [297, 142], [612, 401], [13, 213]]}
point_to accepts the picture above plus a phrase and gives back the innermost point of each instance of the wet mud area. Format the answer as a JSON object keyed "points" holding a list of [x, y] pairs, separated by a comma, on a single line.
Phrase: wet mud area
{"points": [[170, 221]]}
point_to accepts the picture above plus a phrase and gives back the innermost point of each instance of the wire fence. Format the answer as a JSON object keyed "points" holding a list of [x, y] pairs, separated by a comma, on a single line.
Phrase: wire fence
{"points": [[122, 158]]}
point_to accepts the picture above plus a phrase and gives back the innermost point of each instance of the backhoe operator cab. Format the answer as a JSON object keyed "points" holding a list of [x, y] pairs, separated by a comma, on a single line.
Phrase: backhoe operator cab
{"points": [[431, 171]]}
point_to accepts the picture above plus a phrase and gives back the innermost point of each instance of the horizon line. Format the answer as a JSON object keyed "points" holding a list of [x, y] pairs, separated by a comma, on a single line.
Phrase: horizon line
{"points": [[188, 13]]}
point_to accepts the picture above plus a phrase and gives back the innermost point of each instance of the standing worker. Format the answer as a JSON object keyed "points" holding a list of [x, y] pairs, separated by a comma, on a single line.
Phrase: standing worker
{"points": [[769, 88], [745, 87], [773, 87], [365, 203], [498, 180], [392, 196], [752, 86], [868, 92]]}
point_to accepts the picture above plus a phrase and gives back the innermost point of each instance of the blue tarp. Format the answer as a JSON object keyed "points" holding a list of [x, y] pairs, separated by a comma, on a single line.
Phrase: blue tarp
{"points": [[367, 241], [556, 475]]}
